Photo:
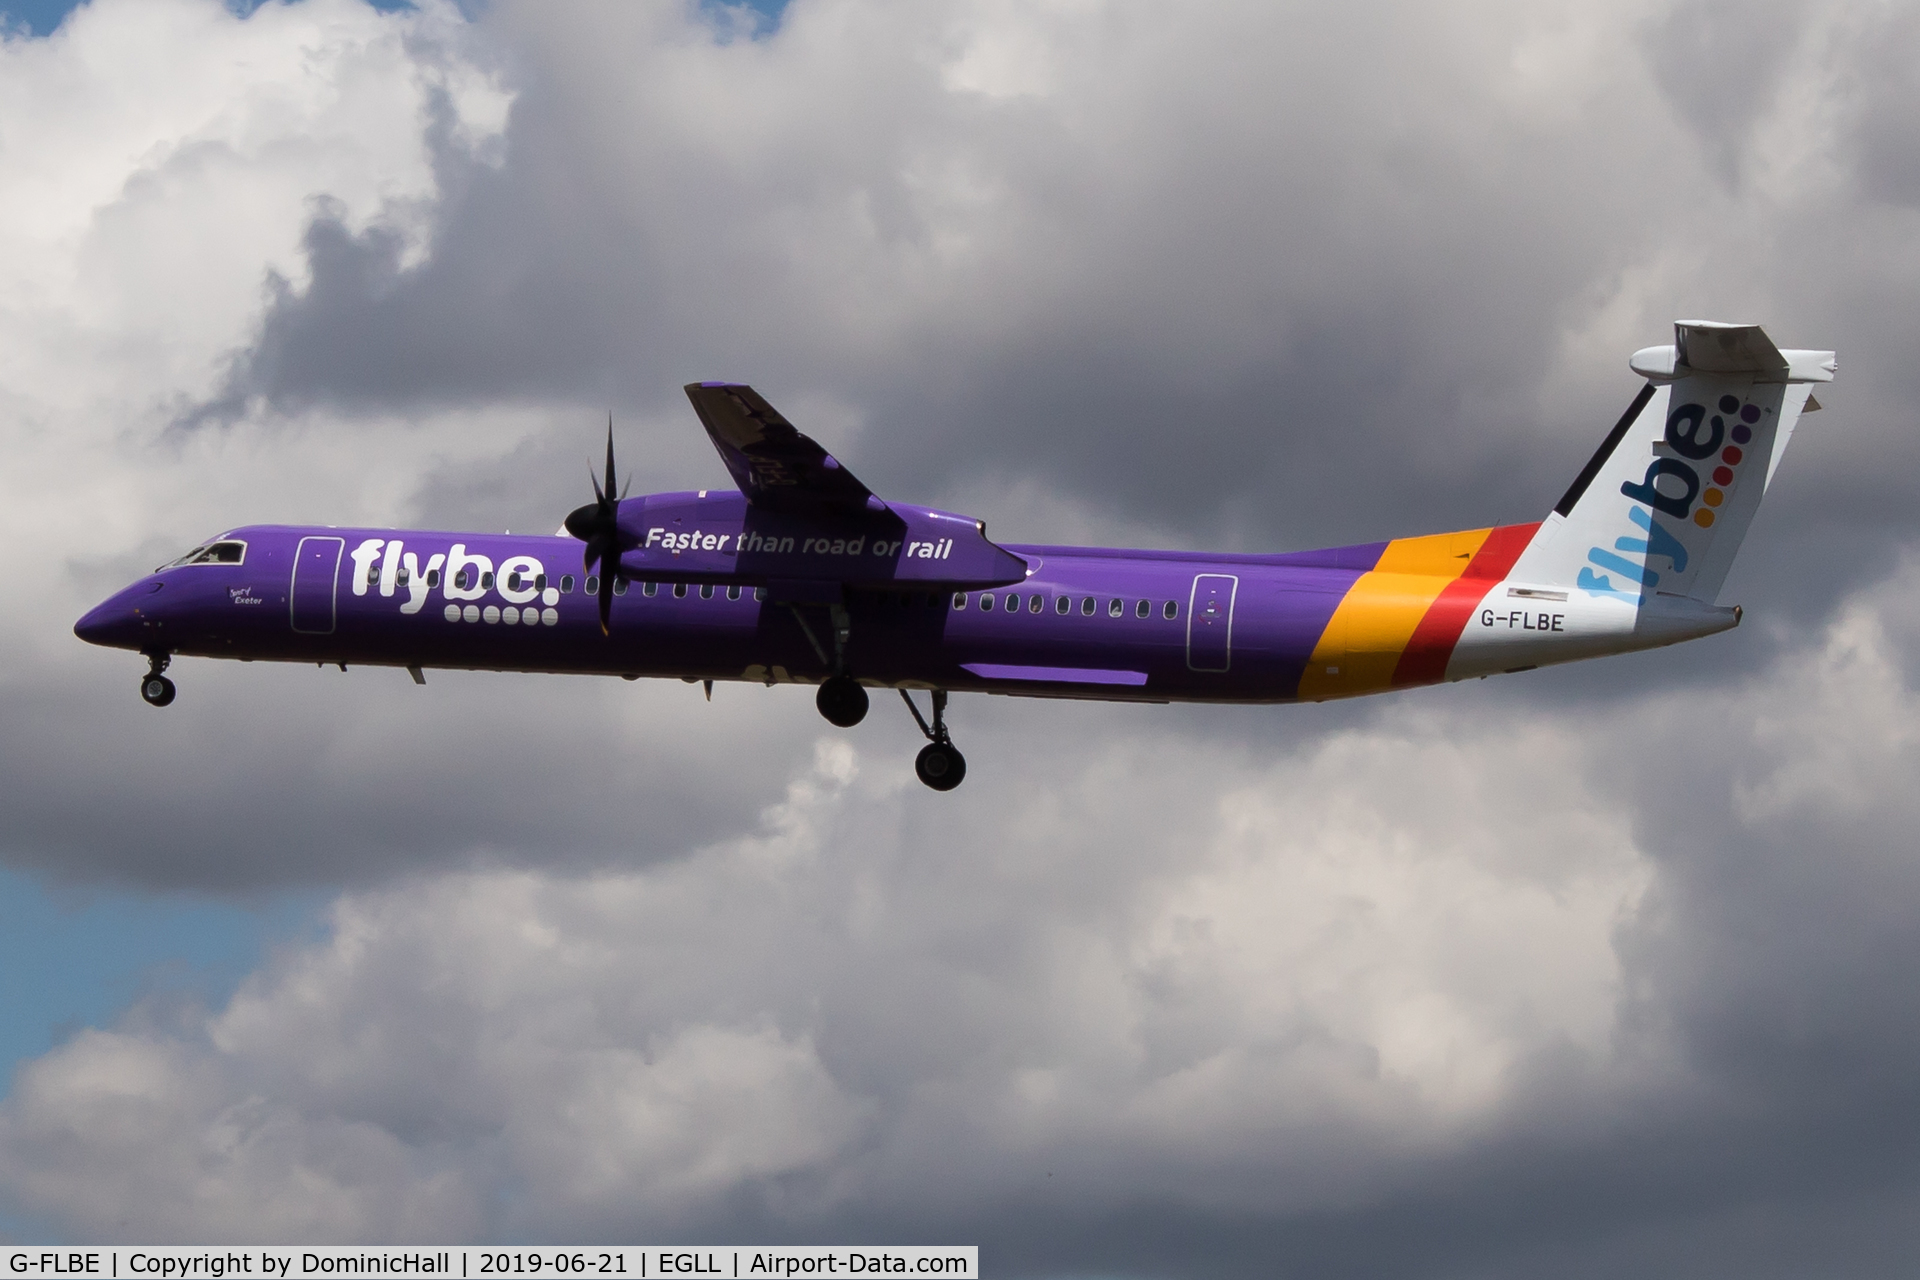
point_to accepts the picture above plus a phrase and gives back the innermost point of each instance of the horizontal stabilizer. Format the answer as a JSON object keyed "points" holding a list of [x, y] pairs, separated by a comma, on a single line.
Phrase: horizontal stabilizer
{"points": [[1745, 350]]}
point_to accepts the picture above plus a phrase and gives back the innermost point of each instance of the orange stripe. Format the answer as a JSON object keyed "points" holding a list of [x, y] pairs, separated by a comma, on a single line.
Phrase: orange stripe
{"points": [[1431, 645], [1366, 635]]}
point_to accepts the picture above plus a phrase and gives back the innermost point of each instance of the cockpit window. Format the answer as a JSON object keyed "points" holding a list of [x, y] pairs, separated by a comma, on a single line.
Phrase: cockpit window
{"points": [[225, 551], [185, 559]]}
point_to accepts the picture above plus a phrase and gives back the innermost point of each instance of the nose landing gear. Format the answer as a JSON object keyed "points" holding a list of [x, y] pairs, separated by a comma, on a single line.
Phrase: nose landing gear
{"points": [[154, 687], [939, 764]]}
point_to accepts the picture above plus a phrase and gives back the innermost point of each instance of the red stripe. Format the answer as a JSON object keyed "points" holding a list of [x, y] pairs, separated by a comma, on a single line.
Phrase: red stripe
{"points": [[1431, 646]]}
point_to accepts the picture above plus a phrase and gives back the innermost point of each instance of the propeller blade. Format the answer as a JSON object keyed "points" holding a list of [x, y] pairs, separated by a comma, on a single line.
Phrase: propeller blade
{"points": [[611, 486], [598, 525]]}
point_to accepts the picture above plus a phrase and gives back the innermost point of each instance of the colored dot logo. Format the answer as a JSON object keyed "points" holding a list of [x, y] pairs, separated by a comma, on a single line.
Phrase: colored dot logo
{"points": [[1730, 457]]}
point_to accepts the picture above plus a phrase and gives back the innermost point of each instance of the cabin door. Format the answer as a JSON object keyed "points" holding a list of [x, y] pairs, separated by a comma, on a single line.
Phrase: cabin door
{"points": [[1210, 622], [316, 565]]}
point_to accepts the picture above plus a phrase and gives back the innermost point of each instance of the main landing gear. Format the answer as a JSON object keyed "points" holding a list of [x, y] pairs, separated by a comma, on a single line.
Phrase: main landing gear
{"points": [[939, 764], [154, 687], [843, 701]]}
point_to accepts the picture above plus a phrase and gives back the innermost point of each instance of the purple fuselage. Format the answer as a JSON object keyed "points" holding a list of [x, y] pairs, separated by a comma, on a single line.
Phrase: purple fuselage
{"points": [[1077, 622]]}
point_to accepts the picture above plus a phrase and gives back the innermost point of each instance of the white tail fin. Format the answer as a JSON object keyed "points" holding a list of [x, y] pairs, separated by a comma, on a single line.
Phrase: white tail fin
{"points": [[1663, 505]]}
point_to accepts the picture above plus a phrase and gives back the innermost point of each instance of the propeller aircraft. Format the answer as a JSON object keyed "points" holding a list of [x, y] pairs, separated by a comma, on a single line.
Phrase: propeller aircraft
{"points": [[801, 574]]}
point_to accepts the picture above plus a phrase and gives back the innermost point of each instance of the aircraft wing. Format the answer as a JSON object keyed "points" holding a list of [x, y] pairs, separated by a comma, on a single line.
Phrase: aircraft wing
{"points": [[777, 467]]}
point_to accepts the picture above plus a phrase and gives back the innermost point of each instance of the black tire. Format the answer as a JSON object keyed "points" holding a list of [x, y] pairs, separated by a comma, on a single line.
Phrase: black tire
{"points": [[940, 766], [842, 701], [157, 690]]}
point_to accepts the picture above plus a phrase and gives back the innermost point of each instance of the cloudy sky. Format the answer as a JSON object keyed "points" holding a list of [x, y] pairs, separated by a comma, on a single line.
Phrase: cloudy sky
{"points": [[1598, 971]]}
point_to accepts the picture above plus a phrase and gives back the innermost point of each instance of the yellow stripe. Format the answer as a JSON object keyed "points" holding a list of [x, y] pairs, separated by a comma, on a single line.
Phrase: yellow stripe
{"points": [[1369, 631]]}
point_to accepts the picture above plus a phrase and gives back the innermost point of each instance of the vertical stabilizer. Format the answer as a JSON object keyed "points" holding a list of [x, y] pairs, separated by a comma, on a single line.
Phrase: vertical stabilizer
{"points": [[1665, 501]]}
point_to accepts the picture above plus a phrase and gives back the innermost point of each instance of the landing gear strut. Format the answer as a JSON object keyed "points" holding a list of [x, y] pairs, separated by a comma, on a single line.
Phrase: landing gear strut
{"points": [[939, 764], [154, 687]]}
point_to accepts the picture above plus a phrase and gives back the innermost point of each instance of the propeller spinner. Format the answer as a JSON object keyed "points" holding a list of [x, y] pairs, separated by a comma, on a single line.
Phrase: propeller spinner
{"points": [[597, 524]]}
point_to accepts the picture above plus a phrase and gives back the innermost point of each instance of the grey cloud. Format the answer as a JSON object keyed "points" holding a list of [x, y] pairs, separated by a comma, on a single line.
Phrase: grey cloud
{"points": [[1721, 66], [1247, 291], [1229, 311]]}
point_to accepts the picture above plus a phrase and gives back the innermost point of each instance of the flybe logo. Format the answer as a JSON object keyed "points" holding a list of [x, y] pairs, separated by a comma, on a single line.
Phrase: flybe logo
{"points": [[1674, 486], [386, 566]]}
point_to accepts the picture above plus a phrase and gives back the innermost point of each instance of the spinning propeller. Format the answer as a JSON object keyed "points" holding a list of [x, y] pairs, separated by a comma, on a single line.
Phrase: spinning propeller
{"points": [[597, 524]]}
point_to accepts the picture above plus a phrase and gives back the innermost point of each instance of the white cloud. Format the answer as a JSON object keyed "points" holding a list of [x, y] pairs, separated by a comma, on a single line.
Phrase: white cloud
{"points": [[811, 1016]]}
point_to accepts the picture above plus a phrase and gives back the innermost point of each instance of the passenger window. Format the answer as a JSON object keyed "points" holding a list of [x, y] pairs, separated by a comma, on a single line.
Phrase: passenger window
{"points": [[733, 593], [373, 573], [566, 584], [760, 595], [986, 601], [486, 580], [540, 583], [706, 591], [1172, 610], [513, 580], [593, 584], [1143, 610], [649, 588], [1087, 606], [1062, 605], [1116, 607], [433, 577], [959, 599], [403, 577], [679, 591], [619, 586], [1036, 604]]}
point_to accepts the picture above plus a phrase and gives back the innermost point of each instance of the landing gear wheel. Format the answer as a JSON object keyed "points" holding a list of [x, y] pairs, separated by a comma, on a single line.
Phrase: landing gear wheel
{"points": [[842, 701], [940, 766], [157, 690]]}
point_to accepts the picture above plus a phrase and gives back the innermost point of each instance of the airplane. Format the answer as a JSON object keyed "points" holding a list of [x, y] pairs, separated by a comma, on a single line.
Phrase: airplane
{"points": [[800, 574]]}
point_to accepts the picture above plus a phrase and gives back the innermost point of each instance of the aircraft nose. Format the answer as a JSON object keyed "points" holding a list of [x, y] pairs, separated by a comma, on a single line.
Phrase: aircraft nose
{"points": [[118, 622]]}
